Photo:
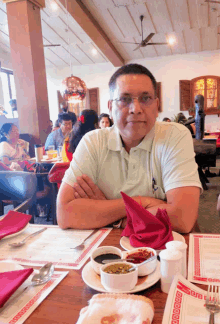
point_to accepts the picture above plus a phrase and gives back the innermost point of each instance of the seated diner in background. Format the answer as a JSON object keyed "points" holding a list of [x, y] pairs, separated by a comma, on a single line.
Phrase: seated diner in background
{"points": [[57, 137], [65, 109], [12, 148], [166, 119], [152, 162], [87, 121], [105, 121]]}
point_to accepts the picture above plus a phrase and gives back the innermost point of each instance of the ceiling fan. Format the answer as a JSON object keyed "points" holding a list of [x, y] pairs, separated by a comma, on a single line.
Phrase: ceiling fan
{"points": [[52, 45], [145, 42], [212, 1]]}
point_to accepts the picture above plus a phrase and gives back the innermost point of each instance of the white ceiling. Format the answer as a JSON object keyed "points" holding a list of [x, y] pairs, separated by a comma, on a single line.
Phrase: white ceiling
{"points": [[195, 24]]}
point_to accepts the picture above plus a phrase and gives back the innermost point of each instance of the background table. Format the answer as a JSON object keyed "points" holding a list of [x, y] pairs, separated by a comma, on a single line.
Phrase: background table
{"points": [[66, 300]]}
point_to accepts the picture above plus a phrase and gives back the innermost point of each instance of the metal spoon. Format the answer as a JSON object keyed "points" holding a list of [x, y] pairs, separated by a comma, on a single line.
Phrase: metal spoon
{"points": [[44, 275], [17, 244], [138, 265], [116, 260]]}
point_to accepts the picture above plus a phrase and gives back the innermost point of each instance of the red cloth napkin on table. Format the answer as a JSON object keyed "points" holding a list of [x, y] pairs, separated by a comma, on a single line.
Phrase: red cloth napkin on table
{"points": [[10, 281], [145, 229], [13, 222]]}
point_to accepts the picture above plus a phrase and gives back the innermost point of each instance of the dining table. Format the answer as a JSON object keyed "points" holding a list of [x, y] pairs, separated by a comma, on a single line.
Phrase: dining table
{"points": [[64, 303]]}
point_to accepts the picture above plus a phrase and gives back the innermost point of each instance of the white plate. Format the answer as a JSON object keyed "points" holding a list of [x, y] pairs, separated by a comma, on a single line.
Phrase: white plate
{"points": [[125, 242], [9, 266], [93, 280], [17, 233]]}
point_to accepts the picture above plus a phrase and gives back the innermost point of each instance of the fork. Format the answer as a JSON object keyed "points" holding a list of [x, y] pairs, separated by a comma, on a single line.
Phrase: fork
{"points": [[82, 245], [212, 302]]}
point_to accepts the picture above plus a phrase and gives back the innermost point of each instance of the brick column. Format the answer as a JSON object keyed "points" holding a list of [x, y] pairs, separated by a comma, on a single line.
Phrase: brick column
{"points": [[28, 63]]}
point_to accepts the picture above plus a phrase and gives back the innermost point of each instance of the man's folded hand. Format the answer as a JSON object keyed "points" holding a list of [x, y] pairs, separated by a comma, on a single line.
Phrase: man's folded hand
{"points": [[84, 187]]}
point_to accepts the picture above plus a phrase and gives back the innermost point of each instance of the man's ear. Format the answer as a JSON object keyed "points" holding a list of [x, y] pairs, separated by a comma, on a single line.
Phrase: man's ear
{"points": [[110, 107]]}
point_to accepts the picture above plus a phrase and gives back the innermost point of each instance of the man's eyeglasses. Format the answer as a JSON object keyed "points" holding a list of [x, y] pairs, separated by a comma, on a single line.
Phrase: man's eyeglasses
{"points": [[66, 123], [125, 101]]}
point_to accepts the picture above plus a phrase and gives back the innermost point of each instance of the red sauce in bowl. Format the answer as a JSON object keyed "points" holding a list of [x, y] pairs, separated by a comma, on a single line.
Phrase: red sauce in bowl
{"points": [[140, 256]]}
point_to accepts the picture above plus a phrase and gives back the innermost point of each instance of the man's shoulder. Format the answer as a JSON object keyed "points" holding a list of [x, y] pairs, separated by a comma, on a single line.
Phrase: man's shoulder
{"points": [[175, 128], [100, 138], [99, 134], [4, 144]]}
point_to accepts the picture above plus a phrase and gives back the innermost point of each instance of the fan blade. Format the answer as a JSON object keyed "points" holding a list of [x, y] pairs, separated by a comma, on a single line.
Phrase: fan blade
{"points": [[128, 43], [52, 45], [140, 45], [156, 44], [212, 1], [148, 38]]}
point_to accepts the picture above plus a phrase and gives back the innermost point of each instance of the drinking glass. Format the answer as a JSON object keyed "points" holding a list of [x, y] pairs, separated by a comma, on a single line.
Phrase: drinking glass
{"points": [[51, 152], [59, 152], [51, 147]]}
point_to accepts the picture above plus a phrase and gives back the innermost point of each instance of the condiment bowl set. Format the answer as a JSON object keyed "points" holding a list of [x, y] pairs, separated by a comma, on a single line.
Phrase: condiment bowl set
{"points": [[119, 282]]}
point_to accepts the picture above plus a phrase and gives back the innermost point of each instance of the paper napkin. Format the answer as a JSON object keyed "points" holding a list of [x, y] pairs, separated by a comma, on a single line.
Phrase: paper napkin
{"points": [[10, 281], [117, 308], [13, 222], [145, 229]]}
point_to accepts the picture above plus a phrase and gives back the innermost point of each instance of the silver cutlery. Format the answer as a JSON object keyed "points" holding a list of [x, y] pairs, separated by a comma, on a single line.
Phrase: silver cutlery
{"points": [[212, 302], [44, 275], [116, 260], [81, 245], [17, 244]]}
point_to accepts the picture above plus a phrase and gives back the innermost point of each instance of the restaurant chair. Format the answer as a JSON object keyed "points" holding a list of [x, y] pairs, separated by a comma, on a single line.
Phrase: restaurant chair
{"points": [[55, 177], [20, 188], [32, 140]]}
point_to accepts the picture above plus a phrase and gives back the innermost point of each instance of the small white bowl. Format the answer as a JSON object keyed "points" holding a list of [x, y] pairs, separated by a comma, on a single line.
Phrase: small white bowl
{"points": [[119, 282], [103, 250], [147, 268]]}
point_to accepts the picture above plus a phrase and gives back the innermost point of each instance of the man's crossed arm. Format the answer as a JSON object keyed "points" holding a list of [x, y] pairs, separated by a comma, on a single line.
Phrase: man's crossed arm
{"points": [[84, 206]]}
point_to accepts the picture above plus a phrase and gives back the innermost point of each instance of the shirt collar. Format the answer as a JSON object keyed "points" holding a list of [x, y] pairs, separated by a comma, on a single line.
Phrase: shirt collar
{"points": [[115, 142]]}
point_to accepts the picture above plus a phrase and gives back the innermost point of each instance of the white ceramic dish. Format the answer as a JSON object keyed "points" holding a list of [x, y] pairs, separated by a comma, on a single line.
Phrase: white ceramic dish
{"points": [[103, 250], [17, 233], [147, 268], [93, 280], [118, 282], [125, 242]]}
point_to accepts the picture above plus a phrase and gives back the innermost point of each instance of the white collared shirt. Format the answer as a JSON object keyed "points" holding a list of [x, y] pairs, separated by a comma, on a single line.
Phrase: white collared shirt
{"points": [[164, 160]]}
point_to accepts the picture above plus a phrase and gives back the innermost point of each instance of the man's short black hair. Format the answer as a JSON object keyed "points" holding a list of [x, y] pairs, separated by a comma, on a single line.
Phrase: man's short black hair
{"points": [[131, 69], [64, 116]]}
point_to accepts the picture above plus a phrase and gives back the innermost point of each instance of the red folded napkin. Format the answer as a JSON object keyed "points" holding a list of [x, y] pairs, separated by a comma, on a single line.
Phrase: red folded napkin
{"points": [[145, 229], [13, 222], [10, 281], [26, 164]]}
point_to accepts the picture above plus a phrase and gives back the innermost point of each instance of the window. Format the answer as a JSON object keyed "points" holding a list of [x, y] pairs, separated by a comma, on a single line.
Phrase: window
{"points": [[208, 86], [8, 85]]}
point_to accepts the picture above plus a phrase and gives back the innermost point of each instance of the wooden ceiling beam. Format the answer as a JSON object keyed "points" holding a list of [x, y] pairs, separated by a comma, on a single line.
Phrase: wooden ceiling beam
{"points": [[91, 27]]}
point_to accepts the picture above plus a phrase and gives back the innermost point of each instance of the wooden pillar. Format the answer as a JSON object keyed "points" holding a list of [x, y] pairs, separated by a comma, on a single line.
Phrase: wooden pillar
{"points": [[28, 63]]}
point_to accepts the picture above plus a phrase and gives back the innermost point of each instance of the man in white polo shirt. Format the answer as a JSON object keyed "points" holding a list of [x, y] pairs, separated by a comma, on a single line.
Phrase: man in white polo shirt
{"points": [[148, 160]]}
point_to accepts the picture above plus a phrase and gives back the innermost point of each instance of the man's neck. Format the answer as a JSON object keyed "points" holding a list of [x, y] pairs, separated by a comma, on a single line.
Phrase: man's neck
{"points": [[128, 145]]}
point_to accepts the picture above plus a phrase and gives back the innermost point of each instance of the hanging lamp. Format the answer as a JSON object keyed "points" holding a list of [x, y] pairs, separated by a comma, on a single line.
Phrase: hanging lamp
{"points": [[73, 89]]}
